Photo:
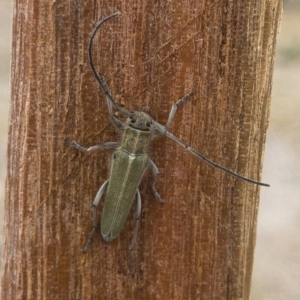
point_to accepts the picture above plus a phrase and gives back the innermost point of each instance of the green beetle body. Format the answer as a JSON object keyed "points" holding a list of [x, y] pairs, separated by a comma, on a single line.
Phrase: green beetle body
{"points": [[128, 166]]}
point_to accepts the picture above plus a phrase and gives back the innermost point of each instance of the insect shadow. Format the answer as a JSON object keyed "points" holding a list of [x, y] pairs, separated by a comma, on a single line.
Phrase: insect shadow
{"points": [[130, 161]]}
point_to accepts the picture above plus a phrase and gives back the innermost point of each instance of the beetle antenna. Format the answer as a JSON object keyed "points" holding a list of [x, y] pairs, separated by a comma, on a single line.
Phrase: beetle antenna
{"points": [[98, 75], [162, 130]]}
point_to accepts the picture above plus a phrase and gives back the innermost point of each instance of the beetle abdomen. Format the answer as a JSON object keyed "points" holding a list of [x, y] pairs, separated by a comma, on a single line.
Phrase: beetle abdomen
{"points": [[125, 176]]}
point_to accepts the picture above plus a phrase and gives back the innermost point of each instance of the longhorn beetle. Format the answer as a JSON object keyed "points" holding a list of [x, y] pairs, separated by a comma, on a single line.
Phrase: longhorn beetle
{"points": [[130, 161]]}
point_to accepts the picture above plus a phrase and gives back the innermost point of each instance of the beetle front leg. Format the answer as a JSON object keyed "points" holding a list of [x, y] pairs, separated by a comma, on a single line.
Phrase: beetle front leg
{"points": [[108, 145], [175, 106], [155, 171], [110, 103], [136, 228], [95, 204]]}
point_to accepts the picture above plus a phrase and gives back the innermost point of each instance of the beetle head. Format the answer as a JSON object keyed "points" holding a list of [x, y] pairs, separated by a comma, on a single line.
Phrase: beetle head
{"points": [[140, 120]]}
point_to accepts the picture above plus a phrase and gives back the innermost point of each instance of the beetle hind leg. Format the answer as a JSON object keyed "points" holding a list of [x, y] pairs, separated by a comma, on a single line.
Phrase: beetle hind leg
{"points": [[136, 229], [95, 223]]}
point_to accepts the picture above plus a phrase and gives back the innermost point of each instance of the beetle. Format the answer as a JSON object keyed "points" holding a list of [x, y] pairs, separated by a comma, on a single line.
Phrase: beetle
{"points": [[130, 160]]}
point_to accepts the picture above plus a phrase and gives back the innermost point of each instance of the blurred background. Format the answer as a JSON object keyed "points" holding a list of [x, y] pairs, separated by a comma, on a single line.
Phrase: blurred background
{"points": [[276, 273]]}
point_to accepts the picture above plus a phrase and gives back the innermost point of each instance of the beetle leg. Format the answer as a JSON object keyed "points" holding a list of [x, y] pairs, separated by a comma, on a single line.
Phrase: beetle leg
{"points": [[110, 102], [107, 145], [117, 123], [95, 204], [136, 228], [174, 108], [155, 171]]}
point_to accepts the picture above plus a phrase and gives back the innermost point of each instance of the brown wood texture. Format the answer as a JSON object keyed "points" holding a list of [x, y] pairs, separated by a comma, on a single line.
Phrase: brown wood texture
{"points": [[200, 243]]}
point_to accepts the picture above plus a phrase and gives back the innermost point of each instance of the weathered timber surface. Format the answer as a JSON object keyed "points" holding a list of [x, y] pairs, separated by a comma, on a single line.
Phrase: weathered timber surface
{"points": [[199, 244]]}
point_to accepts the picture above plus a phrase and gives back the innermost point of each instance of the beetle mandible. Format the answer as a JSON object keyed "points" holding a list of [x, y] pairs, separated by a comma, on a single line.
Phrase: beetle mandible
{"points": [[130, 161]]}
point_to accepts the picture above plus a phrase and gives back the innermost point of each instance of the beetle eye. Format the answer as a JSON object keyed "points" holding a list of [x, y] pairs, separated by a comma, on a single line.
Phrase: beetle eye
{"points": [[149, 123], [133, 118]]}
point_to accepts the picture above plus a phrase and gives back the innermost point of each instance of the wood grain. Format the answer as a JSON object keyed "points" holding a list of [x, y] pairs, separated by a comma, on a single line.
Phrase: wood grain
{"points": [[200, 243]]}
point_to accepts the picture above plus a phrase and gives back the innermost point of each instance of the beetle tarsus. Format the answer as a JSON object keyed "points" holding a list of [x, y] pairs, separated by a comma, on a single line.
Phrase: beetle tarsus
{"points": [[156, 195], [132, 263], [89, 240]]}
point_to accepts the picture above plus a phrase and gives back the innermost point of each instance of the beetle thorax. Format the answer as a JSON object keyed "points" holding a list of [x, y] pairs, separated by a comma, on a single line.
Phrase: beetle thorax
{"points": [[138, 133]]}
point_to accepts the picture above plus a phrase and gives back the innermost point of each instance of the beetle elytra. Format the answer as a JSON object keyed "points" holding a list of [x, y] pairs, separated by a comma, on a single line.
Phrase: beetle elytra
{"points": [[130, 161]]}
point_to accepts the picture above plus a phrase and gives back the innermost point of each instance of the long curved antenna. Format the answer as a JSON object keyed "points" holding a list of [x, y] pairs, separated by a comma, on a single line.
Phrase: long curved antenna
{"points": [[98, 76], [164, 131], [90, 46]]}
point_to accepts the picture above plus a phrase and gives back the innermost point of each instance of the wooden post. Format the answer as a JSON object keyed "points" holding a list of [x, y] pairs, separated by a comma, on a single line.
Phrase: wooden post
{"points": [[200, 243]]}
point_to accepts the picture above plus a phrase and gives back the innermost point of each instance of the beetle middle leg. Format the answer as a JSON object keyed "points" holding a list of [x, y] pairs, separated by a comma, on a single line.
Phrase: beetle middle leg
{"points": [[108, 145], [136, 228], [155, 171], [95, 223]]}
